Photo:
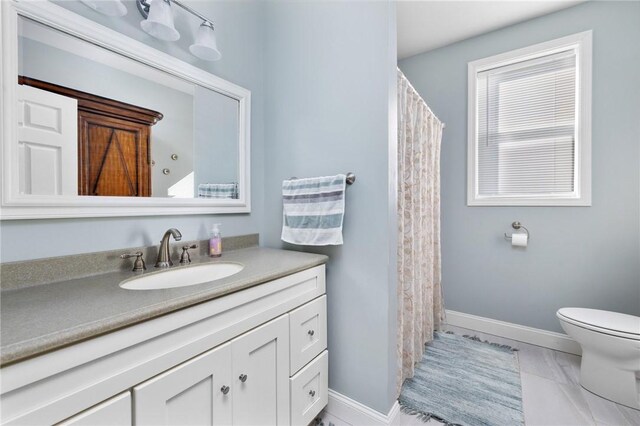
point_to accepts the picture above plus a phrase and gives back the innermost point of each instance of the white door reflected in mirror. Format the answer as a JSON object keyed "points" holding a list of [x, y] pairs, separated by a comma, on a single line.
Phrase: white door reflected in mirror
{"points": [[47, 143]]}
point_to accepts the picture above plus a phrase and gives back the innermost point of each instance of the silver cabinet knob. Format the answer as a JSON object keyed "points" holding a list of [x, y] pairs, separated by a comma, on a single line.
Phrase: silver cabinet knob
{"points": [[311, 332], [224, 390], [312, 393], [243, 378]]}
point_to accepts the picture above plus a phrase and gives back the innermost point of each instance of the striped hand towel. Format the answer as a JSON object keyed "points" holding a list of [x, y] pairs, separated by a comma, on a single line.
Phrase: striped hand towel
{"points": [[218, 190], [313, 210]]}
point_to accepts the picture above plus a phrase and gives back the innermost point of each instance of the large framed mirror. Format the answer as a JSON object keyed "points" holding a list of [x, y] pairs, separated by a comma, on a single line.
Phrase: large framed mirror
{"points": [[95, 123]]}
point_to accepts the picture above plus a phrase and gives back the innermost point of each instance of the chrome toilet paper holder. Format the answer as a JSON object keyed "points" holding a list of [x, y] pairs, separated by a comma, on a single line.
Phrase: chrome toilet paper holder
{"points": [[517, 225]]}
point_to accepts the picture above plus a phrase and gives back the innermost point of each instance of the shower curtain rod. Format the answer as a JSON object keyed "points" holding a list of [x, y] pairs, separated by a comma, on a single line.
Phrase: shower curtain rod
{"points": [[421, 98]]}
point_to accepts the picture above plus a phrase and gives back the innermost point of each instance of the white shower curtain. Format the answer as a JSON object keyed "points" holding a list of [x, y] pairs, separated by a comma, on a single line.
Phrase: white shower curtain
{"points": [[420, 306]]}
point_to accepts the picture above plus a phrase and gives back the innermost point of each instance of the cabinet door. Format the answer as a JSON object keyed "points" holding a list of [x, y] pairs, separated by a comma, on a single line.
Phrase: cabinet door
{"points": [[261, 375], [197, 392], [113, 412]]}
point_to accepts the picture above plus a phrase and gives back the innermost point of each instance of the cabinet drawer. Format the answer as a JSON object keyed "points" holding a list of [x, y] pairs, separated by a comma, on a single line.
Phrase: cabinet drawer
{"points": [[309, 390], [308, 331]]}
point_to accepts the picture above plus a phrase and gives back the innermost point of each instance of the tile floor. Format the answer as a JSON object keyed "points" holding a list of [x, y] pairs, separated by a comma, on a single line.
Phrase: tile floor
{"points": [[551, 393]]}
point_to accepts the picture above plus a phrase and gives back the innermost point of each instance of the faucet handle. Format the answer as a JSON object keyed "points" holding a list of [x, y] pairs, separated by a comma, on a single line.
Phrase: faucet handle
{"points": [[138, 264], [185, 257]]}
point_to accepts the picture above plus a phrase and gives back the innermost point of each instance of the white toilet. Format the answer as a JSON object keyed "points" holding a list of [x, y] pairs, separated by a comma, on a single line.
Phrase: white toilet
{"points": [[610, 352]]}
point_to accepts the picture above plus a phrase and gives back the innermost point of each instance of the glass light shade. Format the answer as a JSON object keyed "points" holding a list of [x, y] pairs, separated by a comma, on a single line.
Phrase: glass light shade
{"points": [[159, 23], [107, 7], [205, 46]]}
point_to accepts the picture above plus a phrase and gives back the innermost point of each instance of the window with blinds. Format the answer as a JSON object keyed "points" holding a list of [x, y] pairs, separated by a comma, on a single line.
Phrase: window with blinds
{"points": [[526, 136]]}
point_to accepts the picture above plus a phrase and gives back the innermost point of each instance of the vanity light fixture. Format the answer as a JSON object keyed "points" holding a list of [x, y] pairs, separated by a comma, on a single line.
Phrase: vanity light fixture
{"points": [[206, 46], [159, 23], [107, 7]]}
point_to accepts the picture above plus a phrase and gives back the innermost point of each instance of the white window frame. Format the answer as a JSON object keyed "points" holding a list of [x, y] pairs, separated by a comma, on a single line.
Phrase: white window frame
{"points": [[581, 195]]}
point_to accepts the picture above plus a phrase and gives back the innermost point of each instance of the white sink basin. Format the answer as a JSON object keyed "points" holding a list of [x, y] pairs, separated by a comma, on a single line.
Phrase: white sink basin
{"points": [[183, 276]]}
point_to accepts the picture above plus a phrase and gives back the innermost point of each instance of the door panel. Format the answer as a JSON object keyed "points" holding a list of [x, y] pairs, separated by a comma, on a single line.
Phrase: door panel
{"points": [[261, 375], [114, 157], [47, 143], [189, 394], [188, 407]]}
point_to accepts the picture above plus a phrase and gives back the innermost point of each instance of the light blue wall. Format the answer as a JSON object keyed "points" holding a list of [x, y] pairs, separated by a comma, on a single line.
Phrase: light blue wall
{"points": [[577, 256], [330, 78], [240, 37]]}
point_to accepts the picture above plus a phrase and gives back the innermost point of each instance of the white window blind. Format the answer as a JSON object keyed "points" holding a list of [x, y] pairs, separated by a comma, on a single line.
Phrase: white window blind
{"points": [[526, 128], [529, 125]]}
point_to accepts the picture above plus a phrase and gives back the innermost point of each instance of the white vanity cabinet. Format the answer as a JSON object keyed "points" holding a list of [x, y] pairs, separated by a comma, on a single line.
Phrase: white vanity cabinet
{"points": [[254, 357]]}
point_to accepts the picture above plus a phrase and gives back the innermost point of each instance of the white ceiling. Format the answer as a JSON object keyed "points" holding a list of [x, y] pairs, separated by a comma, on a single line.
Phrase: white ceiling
{"points": [[427, 25]]}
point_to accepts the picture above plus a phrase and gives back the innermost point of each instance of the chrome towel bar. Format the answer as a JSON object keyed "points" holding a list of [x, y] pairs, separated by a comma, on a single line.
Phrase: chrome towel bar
{"points": [[351, 178]]}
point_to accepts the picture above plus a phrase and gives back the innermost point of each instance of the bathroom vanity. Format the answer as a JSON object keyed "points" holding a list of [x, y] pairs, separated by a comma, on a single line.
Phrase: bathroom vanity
{"points": [[248, 349]]}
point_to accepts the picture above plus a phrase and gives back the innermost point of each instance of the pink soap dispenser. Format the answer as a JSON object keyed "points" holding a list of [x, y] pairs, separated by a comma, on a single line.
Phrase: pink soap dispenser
{"points": [[215, 242]]}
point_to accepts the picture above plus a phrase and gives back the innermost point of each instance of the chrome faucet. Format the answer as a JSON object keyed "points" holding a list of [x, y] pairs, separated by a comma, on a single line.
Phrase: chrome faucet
{"points": [[164, 255]]}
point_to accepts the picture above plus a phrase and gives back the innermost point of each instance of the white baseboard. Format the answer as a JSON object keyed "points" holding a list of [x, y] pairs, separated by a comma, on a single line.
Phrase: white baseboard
{"points": [[521, 333], [344, 411]]}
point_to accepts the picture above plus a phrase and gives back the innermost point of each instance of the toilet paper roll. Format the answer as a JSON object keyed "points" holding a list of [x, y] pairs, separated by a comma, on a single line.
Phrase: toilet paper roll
{"points": [[519, 240]]}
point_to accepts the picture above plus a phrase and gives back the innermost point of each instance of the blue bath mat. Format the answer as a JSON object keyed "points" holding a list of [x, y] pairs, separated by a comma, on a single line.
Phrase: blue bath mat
{"points": [[463, 381]]}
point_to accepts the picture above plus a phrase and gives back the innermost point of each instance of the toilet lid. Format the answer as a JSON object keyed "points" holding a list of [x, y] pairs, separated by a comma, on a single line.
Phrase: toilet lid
{"points": [[614, 323]]}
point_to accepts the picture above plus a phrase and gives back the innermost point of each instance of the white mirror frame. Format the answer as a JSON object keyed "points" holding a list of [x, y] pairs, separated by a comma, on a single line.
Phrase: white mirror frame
{"points": [[16, 206]]}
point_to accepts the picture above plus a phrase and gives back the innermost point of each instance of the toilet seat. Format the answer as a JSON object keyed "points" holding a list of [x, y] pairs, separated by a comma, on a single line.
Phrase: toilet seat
{"points": [[612, 323]]}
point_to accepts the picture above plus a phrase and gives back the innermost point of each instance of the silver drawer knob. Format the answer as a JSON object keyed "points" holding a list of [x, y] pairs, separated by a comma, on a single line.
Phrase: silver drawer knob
{"points": [[311, 332], [312, 393], [224, 390], [243, 378]]}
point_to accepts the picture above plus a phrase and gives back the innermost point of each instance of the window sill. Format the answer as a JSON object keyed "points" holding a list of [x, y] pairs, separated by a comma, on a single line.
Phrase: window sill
{"points": [[529, 202]]}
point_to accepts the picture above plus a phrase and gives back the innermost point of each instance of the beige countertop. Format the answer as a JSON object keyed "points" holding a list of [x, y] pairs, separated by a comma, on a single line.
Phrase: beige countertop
{"points": [[38, 319]]}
